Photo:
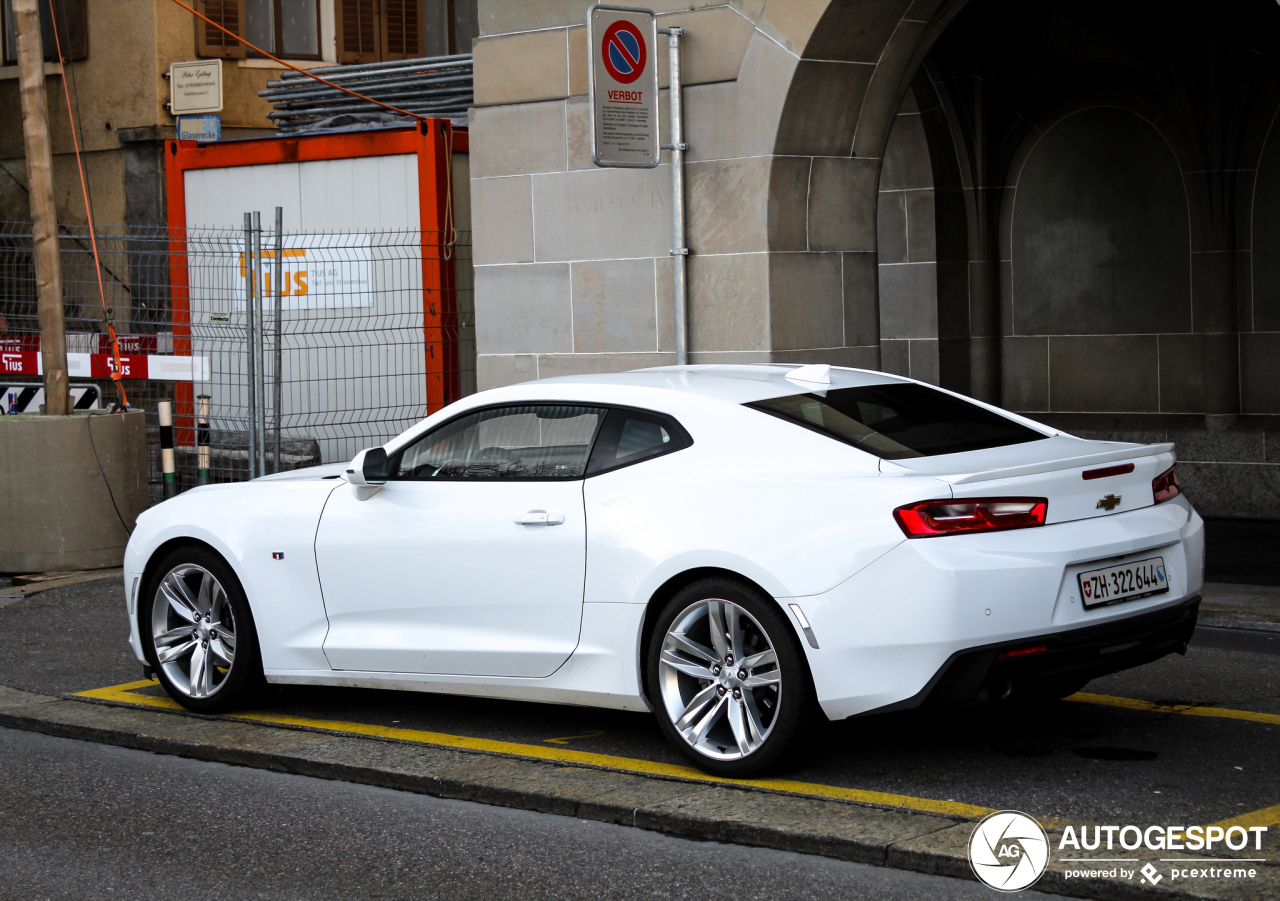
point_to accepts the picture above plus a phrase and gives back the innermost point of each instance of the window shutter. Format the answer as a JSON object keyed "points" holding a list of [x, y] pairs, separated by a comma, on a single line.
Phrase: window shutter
{"points": [[402, 32], [212, 42], [358, 31]]}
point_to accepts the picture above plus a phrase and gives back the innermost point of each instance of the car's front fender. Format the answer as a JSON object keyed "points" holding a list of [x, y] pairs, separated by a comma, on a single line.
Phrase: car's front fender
{"points": [[266, 533]]}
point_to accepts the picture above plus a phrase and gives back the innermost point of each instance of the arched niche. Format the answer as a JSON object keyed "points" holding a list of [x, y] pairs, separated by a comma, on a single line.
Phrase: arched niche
{"points": [[1100, 240], [1096, 271]]}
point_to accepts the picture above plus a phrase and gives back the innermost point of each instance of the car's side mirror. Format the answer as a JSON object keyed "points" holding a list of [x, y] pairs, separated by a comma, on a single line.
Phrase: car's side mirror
{"points": [[369, 468], [375, 468]]}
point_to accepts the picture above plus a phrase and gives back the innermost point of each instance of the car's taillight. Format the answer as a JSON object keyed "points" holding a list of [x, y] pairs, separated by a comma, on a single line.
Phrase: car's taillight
{"points": [[956, 516], [1165, 486]]}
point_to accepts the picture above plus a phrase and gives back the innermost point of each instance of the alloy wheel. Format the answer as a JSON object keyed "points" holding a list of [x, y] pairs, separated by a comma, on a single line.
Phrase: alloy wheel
{"points": [[720, 680], [193, 629]]}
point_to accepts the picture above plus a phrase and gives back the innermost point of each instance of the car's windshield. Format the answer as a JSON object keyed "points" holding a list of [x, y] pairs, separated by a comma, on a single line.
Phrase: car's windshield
{"points": [[901, 420]]}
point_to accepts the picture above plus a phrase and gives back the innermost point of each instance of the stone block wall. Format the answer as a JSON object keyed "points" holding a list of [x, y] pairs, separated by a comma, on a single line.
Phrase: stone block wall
{"points": [[573, 272], [907, 251]]}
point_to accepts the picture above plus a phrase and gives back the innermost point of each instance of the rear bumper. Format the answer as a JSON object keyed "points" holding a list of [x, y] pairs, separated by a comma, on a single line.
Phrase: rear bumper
{"points": [[980, 674], [933, 606]]}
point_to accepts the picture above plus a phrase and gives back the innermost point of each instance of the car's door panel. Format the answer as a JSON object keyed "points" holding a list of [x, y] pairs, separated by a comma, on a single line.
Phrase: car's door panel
{"points": [[437, 577], [471, 559]]}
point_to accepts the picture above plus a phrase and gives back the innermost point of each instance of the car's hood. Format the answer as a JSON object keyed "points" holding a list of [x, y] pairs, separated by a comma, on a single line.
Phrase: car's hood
{"points": [[324, 471]]}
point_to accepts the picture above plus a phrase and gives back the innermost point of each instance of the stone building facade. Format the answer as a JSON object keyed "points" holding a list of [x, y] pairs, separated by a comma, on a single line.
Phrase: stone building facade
{"points": [[1063, 207]]}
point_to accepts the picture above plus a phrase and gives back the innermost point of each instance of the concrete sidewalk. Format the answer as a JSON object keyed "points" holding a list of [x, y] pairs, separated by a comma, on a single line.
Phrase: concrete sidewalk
{"points": [[1240, 606]]}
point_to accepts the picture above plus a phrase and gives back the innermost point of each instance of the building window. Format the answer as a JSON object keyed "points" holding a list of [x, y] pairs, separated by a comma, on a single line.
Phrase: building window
{"points": [[73, 31], [368, 31], [371, 31], [283, 28]]}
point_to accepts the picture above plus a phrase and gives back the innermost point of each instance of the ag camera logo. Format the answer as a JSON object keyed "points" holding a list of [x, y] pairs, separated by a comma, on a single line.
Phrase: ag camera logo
{"points": [[1008, 851]]}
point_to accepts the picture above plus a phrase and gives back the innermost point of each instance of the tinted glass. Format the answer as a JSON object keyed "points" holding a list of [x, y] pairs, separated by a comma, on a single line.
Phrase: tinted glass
{"points": [[898, 421], [630, 436], [525, 442]]}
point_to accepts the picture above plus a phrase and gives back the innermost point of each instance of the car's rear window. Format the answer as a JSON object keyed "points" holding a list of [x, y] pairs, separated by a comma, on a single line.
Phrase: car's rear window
{"points": [[899, 421]]}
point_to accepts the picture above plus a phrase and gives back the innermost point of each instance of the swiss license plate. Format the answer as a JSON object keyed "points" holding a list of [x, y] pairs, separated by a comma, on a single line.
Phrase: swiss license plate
{"points": [[1125, 582]]}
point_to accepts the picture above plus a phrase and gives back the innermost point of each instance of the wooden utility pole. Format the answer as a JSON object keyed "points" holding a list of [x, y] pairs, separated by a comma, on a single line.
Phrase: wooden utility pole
{"points": [[44, 214]]}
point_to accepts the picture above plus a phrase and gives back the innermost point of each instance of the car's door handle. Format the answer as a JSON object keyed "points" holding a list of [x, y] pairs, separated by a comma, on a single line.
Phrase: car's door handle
{"points": [[540, 518]]}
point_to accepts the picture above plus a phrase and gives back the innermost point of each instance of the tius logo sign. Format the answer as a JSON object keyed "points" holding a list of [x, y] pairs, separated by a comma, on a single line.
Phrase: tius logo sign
{"points": [[1008, 851], [317, 272]]}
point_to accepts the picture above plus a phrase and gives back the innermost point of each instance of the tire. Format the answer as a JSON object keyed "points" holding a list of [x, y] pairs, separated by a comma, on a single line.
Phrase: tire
{"points": [[198, 632], [729, 719]]}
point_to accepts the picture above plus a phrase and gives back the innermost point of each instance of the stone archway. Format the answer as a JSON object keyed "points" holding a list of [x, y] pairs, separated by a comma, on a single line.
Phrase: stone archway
{"points": [[846, 65]]}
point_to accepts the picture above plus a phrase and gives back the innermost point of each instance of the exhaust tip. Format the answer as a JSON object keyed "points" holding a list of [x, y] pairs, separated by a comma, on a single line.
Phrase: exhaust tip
{"points": [[1000, 688]]}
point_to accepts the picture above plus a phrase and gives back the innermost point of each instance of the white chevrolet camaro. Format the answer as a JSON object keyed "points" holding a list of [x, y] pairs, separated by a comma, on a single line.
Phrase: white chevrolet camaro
{"points": [[732, 547]]}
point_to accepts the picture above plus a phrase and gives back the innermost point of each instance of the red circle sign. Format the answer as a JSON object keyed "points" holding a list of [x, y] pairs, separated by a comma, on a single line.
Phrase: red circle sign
{"points": [[623, 51]]}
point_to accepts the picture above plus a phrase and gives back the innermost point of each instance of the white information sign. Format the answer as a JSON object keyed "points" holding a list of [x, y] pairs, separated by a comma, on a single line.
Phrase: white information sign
{"points": [[623, 85], [195, 87], [319, 272]]}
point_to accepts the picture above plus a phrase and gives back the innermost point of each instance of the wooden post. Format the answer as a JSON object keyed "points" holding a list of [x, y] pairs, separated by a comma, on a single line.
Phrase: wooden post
{"points": [[44, 214]]}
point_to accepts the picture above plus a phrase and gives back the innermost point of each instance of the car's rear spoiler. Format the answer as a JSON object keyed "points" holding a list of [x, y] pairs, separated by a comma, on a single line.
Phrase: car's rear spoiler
{"points": [[1028, 469]]}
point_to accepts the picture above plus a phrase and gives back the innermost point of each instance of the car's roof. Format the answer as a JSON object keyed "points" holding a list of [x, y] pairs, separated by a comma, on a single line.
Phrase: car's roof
{"points": [[672, 389], [736, 383]]}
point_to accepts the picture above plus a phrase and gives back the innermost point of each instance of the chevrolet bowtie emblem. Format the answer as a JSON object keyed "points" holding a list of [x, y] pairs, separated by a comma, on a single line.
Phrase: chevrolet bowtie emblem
{"points": [[1110, 502]]}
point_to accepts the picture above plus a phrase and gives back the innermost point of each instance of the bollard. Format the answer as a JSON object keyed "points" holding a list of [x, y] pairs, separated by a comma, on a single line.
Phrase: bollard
{"points": [[166, 448], [202, 440]]}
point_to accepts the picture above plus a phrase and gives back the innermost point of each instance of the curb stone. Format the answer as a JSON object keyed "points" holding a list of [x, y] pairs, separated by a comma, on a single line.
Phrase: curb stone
{"points": [[920, 842]]}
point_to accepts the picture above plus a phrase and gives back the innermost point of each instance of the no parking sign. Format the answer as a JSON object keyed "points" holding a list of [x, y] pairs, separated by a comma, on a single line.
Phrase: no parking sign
{"points": [[623, 85]]}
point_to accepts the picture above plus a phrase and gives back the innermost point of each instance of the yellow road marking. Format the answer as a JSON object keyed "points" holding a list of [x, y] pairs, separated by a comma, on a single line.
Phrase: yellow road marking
{"points": [[1268, 816], [124, 694], [590, 733], [1186, 709]]}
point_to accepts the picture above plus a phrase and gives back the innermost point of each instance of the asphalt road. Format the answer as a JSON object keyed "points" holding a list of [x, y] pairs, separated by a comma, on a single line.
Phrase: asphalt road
{"points": [[92, 821], [1065, 760]]}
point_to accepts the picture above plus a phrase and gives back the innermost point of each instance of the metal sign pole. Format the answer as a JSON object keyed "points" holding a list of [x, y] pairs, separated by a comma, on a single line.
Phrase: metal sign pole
{"points": [[278, 279], [259, 385], [622, 98], [250, 273], [679, 252]]}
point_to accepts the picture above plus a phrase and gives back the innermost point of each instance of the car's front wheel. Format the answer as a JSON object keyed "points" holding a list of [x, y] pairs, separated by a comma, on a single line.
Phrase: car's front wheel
{"points": [[728, 678], [198, 634]]}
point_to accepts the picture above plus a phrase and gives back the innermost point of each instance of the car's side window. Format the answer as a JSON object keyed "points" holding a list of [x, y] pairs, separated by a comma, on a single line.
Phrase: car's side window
{"points": [[629, 436], [526, 441]]}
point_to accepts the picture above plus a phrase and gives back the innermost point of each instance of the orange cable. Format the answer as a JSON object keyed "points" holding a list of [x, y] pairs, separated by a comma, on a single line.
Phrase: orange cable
{"points": [[116, 375], [296, 68]]}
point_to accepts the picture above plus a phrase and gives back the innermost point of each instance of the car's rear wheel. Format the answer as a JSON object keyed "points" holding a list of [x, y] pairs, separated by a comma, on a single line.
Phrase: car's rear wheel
{"points": [[198, 634], [728, 678]]}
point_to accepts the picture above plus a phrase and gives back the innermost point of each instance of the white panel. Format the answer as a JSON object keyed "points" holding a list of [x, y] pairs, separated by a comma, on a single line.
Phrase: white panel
{"points": [[219, 198], [360, 194]]}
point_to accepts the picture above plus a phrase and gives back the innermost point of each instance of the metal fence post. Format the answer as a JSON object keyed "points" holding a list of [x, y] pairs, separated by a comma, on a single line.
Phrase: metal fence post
{"points": [[250, 273], [279, 354], [259, 384]]}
